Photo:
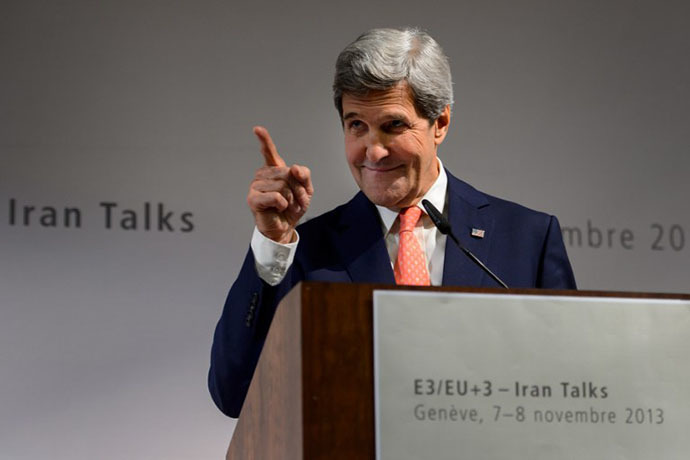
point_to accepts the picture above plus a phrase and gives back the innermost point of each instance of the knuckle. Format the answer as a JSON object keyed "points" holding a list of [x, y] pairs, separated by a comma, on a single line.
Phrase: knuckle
{"points": [[253, 203]]}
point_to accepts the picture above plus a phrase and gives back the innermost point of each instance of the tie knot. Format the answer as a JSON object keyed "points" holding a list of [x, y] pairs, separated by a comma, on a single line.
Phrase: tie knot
{"points": [[408, 218]]}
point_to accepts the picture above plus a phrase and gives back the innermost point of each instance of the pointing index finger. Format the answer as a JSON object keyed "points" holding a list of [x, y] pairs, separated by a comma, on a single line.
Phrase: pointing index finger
{"points": [[268, 148]]}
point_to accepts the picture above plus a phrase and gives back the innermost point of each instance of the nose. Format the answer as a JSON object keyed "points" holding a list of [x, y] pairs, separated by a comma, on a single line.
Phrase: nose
{"points": [[376, 149]]}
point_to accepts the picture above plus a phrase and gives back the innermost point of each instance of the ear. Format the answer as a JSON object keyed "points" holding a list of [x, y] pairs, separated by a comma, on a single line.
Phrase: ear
{"points": [[441, 126]]}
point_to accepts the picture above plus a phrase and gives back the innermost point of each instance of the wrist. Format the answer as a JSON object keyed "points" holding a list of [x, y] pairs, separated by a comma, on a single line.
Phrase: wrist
{"points": [[288, 238]]}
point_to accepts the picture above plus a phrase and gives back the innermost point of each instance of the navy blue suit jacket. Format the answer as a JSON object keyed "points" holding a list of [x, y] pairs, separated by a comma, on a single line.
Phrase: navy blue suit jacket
{"points": [[523, 247]]}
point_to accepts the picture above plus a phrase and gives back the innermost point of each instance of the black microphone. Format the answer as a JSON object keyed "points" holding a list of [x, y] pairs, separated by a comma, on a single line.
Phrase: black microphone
{"points": [[443, 226]]}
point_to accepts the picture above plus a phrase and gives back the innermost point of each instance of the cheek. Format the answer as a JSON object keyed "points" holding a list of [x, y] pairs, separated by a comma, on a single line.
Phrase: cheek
{"points": [[421, 151], [352, 161], [408, 151], [353, 152], [423, 143]]}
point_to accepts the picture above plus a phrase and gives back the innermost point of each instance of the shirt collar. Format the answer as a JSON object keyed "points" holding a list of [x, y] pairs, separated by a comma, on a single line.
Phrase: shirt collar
{"points": [[436, 195]]}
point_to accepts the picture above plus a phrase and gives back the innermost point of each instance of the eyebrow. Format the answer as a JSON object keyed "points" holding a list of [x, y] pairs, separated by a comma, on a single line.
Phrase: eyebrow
{"points": [[390, 116]]}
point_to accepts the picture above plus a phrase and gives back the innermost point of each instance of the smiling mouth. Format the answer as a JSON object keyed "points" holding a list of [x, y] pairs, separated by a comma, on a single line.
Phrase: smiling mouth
{"points": [[380, 169]]}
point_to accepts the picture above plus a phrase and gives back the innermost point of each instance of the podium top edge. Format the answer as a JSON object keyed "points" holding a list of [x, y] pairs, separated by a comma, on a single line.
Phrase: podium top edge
{"points": [[370, 287]]}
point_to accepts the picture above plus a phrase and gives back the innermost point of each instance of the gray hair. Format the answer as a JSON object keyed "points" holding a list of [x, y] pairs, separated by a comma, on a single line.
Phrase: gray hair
{"points": [[382, 58]]}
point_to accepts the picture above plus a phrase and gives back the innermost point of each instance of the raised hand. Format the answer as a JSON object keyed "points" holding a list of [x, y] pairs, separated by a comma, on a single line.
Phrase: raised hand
{"points": [[279, 195]]}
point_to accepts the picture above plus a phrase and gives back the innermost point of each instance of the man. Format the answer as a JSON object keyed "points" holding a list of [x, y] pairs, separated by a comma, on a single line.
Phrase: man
{"points": [[393, 91]]}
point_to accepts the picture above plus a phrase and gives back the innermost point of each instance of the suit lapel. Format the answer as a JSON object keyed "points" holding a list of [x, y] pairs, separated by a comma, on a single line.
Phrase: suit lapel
{"points": [[361, 245], [467, 211]]}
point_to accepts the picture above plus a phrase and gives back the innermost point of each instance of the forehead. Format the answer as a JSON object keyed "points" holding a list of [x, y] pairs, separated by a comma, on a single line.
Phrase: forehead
{"points": [[395, 100]]}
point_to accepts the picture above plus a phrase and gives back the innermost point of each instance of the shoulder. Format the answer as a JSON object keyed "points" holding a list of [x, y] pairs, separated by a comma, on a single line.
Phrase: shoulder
{"points": [[526, 244], [459, 190]]}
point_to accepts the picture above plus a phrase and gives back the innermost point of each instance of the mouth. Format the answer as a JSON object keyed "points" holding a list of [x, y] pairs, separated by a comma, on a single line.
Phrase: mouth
{"points": [[380, 169]]}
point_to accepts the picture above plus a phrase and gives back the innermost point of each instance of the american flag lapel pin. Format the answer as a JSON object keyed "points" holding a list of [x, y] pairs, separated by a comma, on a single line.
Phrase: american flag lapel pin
{"points": [[478, 233]]}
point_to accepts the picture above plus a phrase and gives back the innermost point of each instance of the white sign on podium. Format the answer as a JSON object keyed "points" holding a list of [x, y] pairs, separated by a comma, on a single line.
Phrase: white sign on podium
{"points": [[491, 377]]}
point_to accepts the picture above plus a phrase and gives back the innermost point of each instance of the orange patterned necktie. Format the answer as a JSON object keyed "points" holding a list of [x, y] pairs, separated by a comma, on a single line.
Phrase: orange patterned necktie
{"points": [[410, 267]]}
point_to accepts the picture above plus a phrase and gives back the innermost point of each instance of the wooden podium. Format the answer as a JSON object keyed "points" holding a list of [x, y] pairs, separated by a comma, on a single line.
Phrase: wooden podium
{"points": [[312, 395]]}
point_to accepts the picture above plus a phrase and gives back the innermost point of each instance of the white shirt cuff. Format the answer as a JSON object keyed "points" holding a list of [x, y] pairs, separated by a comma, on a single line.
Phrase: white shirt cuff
{"points": [[272, 260]]}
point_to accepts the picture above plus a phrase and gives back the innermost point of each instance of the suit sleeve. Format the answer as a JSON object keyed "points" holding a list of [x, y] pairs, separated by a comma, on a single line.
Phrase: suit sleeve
{"points": [[240, 335], [555, 271]]}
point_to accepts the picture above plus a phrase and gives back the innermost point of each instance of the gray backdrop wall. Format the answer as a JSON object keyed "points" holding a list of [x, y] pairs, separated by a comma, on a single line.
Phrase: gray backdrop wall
{"points": [[126, 152]]}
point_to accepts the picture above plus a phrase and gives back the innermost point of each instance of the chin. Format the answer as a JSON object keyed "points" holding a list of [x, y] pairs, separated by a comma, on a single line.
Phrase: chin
{"points": [[390, 194], [385, 198]]}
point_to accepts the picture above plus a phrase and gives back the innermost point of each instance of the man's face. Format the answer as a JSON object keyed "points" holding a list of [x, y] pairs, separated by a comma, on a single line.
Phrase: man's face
{"points": [[390, 148]]}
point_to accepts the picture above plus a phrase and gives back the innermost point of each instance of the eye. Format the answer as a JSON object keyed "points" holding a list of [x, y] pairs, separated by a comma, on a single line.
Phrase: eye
{"points": [[355, 126], [395, 126]]}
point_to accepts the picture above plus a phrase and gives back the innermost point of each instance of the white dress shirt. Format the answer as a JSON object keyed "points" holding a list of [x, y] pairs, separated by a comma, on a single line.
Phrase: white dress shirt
{"points": [[273, 259], [432, 242]]}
